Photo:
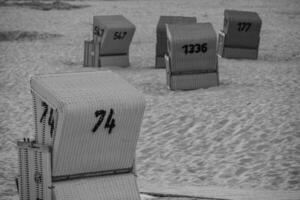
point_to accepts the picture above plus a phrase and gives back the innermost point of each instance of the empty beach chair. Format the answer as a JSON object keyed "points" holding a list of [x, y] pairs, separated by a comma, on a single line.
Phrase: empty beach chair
{"points": [[240, 35], [113, 34], [161, 35], [191, 61], [91, 122]]}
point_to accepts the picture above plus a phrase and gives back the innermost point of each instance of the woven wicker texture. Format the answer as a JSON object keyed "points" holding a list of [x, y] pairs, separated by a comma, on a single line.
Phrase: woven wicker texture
{"points": [[116, 33], [34, 171], [89, 54], [161, 32], [193, 81], [160, 62], [242, 29], [116, 60], [116, 187], [185, 35], [238, 53], [99, 120], [190, 81]]}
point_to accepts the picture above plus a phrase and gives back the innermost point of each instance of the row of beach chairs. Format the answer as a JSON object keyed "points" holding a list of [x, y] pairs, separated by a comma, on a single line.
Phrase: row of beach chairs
{"points": [[187, 49], [87, 124]]}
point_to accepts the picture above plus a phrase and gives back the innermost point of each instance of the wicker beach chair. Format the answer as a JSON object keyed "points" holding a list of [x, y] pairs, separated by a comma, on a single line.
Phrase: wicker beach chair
{"points": [[191, 62], [240, 35], [112, 35], [161, 36], [91, 123]]}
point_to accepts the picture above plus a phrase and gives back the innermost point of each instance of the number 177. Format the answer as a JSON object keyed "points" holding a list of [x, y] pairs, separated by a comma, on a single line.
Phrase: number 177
{"points": [[244, 26]]}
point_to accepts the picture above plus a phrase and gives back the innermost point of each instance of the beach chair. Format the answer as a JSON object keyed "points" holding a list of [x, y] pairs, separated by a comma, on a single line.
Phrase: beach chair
{"points": [[90, 122], [112, 35], [161, 36], [191, 62], [240, 35]]}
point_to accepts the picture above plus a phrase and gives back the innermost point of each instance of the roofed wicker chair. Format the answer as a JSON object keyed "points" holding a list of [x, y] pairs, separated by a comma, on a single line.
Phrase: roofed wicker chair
{"points": [[90, 122], [191, 61], [112, 36], [240, 35]]}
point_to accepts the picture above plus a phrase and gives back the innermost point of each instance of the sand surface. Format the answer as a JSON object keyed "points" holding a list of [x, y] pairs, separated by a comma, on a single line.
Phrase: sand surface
{"points": [[243, 134]]}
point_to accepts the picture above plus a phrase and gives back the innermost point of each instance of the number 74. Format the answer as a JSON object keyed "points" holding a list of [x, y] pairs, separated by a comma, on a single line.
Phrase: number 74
{"points": [[110, 122]]}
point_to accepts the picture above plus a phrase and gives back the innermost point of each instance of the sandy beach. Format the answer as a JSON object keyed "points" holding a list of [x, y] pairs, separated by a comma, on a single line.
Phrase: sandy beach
{"points": [[241, 135]]}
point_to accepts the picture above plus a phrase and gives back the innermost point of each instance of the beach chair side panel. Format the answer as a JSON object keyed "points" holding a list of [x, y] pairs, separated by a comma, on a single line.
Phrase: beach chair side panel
{"points": [[34, 172]]}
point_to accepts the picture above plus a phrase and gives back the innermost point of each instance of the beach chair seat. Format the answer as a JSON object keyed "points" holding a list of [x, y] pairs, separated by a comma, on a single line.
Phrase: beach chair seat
{"points": [[161, 35], [113, 34], [191, 60], [91, 123], [113, 187], [240, 36]]}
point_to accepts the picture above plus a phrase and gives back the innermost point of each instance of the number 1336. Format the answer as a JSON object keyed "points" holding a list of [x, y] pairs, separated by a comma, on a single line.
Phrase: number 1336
{"points": [[195, 48]]}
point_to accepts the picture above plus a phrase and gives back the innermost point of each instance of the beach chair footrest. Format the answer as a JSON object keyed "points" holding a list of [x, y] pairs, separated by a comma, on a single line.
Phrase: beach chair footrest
{"points": [[114, 60]]}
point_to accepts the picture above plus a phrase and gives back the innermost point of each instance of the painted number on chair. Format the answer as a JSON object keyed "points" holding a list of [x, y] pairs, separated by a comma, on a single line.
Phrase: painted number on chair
{"points": [[244, 26], [50, 120], [98, 31], [194, 48], [119, 35], [110, 122]]}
